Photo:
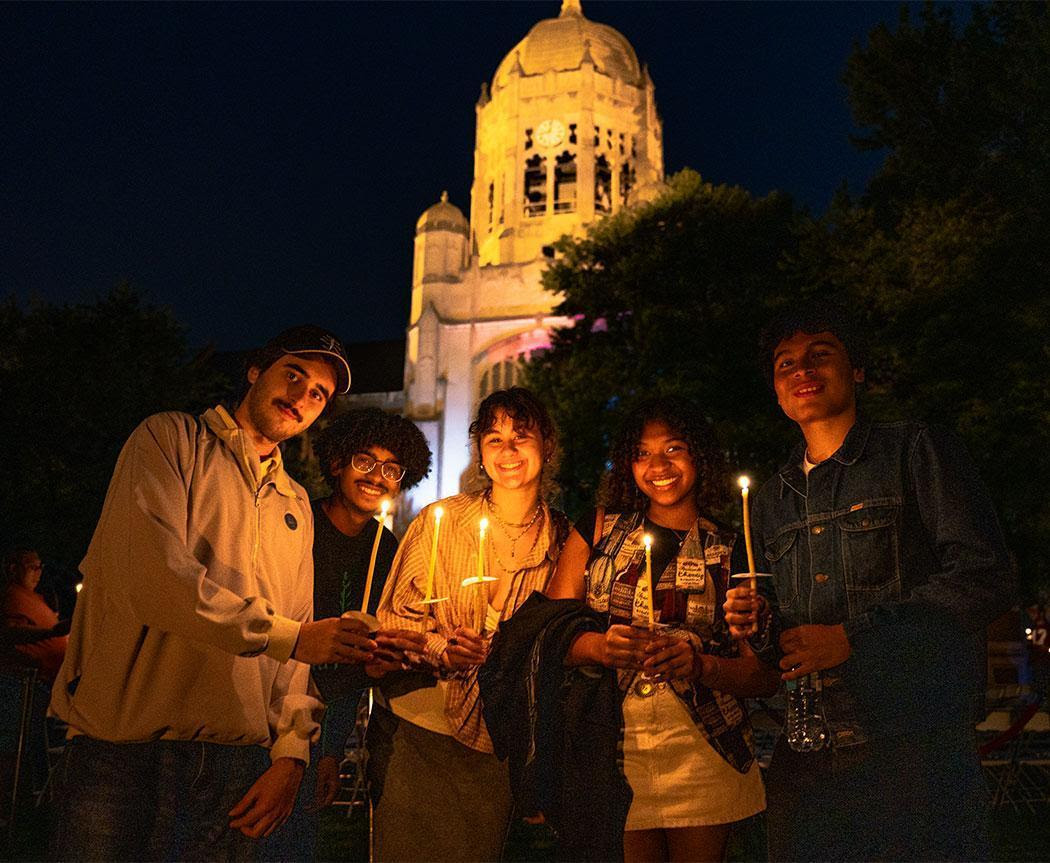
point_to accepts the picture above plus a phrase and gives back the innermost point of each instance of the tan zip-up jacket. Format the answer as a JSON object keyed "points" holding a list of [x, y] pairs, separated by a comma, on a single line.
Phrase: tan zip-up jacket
{"points": [[197, 579]]}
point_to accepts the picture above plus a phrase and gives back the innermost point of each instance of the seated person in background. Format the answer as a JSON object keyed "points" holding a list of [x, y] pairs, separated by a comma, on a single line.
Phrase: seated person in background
{"points": [[31, 626]]}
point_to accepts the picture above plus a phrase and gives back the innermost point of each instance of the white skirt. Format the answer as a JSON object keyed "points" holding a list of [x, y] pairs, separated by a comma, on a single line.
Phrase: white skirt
{"points": [[677, 778]]}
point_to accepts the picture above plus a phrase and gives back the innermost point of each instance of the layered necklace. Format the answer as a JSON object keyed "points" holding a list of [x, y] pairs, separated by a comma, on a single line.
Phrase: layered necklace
{"points": [[513, 531]]}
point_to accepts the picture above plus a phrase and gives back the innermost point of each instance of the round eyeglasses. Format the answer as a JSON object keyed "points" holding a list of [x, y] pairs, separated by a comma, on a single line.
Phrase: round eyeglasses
{"points": [[362, 462]]}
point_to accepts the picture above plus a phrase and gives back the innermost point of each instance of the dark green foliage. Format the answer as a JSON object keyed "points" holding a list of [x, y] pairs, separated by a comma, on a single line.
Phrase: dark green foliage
{"points": [[76, 379], [945, 260], [668, 300], [948, 252]]}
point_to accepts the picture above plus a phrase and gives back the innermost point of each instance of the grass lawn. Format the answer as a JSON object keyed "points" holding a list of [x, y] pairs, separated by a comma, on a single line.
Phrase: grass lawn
{"points": [[1019, 836]]}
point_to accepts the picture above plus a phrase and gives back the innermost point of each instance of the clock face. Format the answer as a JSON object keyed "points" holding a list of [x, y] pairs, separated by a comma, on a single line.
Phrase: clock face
{"points": [[550, 133]]}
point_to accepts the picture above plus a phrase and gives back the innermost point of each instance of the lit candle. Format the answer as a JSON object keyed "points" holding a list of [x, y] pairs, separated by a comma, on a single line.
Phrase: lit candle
{"points": [[647, 541], [745, 485], [383, 508], [483, 526], [438, 513]]}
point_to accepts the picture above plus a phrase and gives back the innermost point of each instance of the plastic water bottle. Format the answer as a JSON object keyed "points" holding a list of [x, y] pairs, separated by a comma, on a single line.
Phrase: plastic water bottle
{"points": [[807, 730]]}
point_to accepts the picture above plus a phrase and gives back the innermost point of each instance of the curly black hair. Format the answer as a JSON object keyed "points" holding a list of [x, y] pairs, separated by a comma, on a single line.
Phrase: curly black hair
{"points": [[620, 493], [815, 316], [524, 408], [358, 429]]}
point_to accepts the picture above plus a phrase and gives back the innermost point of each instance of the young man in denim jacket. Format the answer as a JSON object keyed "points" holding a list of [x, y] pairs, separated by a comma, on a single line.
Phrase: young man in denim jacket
{"points": [[888, 564]]}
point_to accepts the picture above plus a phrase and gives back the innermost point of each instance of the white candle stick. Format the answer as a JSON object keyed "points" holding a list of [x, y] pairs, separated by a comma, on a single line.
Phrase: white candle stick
{"points": [[647, 541], [383, 508], [438, 513], [482, 527], [745, 486]]}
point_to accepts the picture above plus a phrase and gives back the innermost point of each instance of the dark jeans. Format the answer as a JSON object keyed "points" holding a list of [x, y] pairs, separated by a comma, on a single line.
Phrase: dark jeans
{"points": [[914, 797], [296, 839], [162, 800]]}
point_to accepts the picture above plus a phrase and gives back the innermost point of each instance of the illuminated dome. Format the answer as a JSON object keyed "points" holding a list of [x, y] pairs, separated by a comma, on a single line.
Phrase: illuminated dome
{"points": [[559, 44], [443, 216]]}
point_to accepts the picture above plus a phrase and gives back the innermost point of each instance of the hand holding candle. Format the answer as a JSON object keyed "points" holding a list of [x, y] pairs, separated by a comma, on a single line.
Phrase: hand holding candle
{"points": [[480, 579]]}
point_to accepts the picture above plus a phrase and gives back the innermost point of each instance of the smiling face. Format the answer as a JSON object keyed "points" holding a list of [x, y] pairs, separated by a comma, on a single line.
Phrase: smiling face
{"points": [[663, 468], [512, 454], [286, 398], [362, 493], [814, 379]]}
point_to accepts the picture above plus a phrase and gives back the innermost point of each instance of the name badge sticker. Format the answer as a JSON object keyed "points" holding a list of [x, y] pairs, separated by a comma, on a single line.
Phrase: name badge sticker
{"points": [[691, 575], [715, 553]]}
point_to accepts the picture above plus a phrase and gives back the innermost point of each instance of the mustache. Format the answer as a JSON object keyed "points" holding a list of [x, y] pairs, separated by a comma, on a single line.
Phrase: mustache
{"points": [[285, 406]]}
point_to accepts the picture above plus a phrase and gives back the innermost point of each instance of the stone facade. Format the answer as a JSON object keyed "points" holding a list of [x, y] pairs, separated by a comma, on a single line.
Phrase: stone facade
{"points": [[567, 132]]}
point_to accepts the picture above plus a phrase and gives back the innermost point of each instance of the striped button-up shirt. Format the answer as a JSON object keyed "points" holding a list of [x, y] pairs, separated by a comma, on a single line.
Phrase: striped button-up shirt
{"points": [[401, 605]]}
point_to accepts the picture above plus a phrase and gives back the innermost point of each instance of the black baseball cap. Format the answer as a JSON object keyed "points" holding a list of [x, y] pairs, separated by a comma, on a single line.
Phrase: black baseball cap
{"points": [[310, 339]]}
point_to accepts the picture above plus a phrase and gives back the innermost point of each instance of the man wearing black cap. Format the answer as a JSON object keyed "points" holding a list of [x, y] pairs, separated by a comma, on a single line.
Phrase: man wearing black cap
{"points": [[188, 657]]}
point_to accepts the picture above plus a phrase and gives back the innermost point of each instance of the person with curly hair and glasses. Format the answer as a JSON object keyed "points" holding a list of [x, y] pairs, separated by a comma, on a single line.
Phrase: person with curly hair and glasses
{"points": [[431, 758], [687, 750], [367, 456]]}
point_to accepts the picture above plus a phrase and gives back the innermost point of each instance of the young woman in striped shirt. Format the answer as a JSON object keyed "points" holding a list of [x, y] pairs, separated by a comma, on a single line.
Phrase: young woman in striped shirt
{"points": [[431, 760]]}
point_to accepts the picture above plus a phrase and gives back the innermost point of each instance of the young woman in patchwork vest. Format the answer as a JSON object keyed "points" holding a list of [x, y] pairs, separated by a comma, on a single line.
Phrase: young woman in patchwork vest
{"points": [[688, 754]]}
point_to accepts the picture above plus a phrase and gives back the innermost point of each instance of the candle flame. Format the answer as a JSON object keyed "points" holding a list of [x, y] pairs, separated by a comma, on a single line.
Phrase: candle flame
{"points": [[647, 540], [744, 482], [484, 525], [439, 512], [384, 507], [80, 586]]}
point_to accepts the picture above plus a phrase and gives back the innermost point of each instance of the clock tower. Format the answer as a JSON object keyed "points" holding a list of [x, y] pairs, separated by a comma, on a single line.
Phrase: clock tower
{"points": [[567, 132]]}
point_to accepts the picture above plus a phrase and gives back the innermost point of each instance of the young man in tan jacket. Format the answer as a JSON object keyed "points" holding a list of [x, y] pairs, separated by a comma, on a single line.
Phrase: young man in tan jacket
{"points": [[189, 653]]}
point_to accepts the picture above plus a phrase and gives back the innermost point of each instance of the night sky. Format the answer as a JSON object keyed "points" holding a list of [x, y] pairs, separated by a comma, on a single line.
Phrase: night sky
{"points": [[254, 166]]}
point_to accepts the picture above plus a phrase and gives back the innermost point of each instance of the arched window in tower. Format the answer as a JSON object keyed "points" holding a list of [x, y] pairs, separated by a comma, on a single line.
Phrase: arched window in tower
{"points": [[565, 183], [492, 202], [497, 377], [536, 185], [483, 387], [627, 178], [602, 185]]}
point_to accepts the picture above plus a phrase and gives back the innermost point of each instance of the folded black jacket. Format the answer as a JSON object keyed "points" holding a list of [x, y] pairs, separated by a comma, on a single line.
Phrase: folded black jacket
{"points": [[560, 727]]}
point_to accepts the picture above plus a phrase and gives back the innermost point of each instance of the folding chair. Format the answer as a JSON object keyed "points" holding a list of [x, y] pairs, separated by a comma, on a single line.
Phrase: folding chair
{"points": [[353, 771], [1031, 786], [25, 678], [996, 753]]}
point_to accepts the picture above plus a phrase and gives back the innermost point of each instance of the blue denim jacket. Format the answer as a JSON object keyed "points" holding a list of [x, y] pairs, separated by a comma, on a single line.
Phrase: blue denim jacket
{"points": [[895, 537]]}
